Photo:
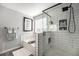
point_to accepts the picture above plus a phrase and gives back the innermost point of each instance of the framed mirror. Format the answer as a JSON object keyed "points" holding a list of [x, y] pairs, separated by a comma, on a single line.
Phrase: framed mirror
{"points": [[27, 24]]}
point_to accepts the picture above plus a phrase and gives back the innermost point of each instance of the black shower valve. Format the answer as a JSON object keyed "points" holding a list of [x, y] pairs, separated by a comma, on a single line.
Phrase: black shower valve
{"points": [[49, 40]]}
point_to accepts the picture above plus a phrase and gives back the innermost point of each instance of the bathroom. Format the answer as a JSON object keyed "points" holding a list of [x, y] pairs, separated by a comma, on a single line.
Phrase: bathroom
{"points": [[28, 30]]}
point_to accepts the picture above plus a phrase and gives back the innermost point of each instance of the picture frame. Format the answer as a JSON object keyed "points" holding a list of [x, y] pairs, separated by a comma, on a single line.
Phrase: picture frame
{"points": [[27, 24]]}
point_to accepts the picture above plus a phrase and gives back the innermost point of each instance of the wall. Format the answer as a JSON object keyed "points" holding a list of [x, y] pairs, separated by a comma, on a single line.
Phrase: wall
{"points": [[11, 18]]}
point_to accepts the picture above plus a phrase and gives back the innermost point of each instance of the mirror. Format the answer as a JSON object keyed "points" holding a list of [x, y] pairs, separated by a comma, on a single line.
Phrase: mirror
{"points": [[27, 24]]}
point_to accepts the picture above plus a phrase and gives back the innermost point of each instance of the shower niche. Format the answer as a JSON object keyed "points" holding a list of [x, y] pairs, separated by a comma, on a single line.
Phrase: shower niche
{"points": [[63, 24]]}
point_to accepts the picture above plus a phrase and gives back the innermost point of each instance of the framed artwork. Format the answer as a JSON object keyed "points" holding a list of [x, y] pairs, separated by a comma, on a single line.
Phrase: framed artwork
{"points": [[27, 24]]}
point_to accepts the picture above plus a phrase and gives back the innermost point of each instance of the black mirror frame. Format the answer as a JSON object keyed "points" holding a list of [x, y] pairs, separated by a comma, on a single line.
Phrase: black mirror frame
{"points": [[25, 30]]}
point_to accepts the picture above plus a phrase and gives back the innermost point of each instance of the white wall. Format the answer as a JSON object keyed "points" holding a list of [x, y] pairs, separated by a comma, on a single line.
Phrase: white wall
{"points": [[11, 18]]}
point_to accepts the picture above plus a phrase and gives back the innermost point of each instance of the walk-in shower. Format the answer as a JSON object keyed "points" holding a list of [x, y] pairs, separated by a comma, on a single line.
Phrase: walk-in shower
{"points": [[64, 39]]}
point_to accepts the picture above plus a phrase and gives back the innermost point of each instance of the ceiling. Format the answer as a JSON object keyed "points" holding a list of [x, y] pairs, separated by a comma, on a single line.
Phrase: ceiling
{"points": [[30, 9]]}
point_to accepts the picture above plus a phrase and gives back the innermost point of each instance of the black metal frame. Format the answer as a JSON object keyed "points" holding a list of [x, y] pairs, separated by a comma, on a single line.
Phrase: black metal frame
{"points": [[53, 6], [50, 8], [24, 24]]}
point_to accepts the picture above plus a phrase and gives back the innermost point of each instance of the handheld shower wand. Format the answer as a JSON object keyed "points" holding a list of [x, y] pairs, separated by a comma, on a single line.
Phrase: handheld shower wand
{"points": [[73, 19]]}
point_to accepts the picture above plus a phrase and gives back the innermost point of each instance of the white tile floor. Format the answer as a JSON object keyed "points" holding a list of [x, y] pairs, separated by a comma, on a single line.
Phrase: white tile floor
{"points": [[27, 50]]}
